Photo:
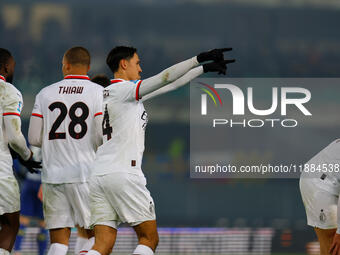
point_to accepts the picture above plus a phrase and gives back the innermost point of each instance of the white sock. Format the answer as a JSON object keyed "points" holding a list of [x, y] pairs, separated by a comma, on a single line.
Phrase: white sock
{"points": [[4, 252], [81, 241], [57, 249], [93, 252], [142, 250], [87, 246]]}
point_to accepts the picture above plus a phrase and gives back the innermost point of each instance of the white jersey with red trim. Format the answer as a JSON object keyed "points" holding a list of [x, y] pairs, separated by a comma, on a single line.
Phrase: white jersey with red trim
{"points": [[324, 168], [124, 124], [11, 104], [68, 109]]}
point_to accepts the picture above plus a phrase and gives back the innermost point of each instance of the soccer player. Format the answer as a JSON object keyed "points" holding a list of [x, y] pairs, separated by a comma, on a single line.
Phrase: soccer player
{"points": [[118, 190], [31, 208], [66, 123], [10, 134], [320, 189]]}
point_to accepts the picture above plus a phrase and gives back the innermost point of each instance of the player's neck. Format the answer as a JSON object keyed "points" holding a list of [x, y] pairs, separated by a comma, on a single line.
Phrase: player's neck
{"points": [[76, 71], [121, 75]]}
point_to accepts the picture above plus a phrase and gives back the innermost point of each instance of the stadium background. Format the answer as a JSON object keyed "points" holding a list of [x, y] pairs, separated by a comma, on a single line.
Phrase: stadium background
{"points": [[271, 38]]}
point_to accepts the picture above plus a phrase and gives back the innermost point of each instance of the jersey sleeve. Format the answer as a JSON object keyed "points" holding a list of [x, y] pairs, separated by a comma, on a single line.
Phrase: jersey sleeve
{"points": [[13, 102], [98, 106], [166, 76], [124, 92], [137, 90], [37, 109], [185, 79]]}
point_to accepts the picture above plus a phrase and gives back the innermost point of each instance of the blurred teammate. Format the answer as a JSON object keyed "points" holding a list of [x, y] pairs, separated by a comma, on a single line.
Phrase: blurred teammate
{"points": [[31, 208], [66, 122], [118, 190], [10, 134], [320, 189], [101, 79]]}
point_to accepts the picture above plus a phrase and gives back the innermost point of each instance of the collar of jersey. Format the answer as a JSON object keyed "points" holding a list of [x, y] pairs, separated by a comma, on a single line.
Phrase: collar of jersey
{"points": [[83, 77], [116, 81], [2, 78]]}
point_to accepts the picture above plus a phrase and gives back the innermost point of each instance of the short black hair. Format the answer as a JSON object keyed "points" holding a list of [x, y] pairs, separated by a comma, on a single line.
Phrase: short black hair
{"points": [[78, 56], [117, 54], [5, 56], [101, 79]]}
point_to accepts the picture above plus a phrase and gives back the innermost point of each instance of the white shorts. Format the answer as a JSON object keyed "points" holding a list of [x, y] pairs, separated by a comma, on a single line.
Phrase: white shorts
{"points": [[9, 195], [66, 205], [321, 206], [118, 198]]}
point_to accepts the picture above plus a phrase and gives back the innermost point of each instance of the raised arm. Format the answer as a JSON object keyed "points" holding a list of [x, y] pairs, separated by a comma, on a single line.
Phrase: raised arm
{"points": [[192, 74], [176, 71], [168, 75], [186, 78]]}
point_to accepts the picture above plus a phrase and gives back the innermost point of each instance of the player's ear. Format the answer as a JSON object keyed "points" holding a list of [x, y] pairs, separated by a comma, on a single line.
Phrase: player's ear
{"points": [[66, 66], [6, 67], [123, 64]]}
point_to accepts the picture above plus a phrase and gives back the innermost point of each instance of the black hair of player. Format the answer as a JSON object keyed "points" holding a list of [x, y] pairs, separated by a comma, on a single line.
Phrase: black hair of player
{"points": [[5, 56], [101, 79], [117, 54]]}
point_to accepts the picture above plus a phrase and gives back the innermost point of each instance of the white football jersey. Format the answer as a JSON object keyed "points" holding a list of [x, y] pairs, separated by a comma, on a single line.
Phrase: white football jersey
{"points": [[324, 168], [68, 109], [11, 104], [124, 124]]}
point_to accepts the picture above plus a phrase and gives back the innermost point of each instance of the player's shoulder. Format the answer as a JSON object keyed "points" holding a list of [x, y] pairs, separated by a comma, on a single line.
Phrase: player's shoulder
{"points": [[120, 83], [121, 90], [94, 86], [9, 89], [50, 88], [332, 150], [136, 82], [116, 86]]}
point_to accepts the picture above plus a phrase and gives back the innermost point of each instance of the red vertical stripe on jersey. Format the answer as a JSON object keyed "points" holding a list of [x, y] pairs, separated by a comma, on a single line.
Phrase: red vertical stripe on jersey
{"points": [[137, 90], [37, 115], [2, 78], [84, 77], [98, 113], [11, 113]]}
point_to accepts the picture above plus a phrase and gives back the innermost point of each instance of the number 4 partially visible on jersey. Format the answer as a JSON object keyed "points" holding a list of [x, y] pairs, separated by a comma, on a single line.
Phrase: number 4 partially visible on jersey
{"points": [[107, 129]]}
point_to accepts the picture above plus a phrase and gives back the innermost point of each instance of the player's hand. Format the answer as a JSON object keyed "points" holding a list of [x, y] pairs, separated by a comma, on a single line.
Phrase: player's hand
{"points": [[30, 164], [215, 55], [335, 246], [220, 67]]}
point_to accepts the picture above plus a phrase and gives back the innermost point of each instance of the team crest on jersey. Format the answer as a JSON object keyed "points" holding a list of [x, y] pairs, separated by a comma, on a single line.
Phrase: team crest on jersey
{"points": [[106, 93], [322, 216]]}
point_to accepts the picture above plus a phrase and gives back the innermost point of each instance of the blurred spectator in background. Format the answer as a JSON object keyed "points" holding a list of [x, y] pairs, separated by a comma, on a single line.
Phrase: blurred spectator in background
{"points": [[101, 79]]}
